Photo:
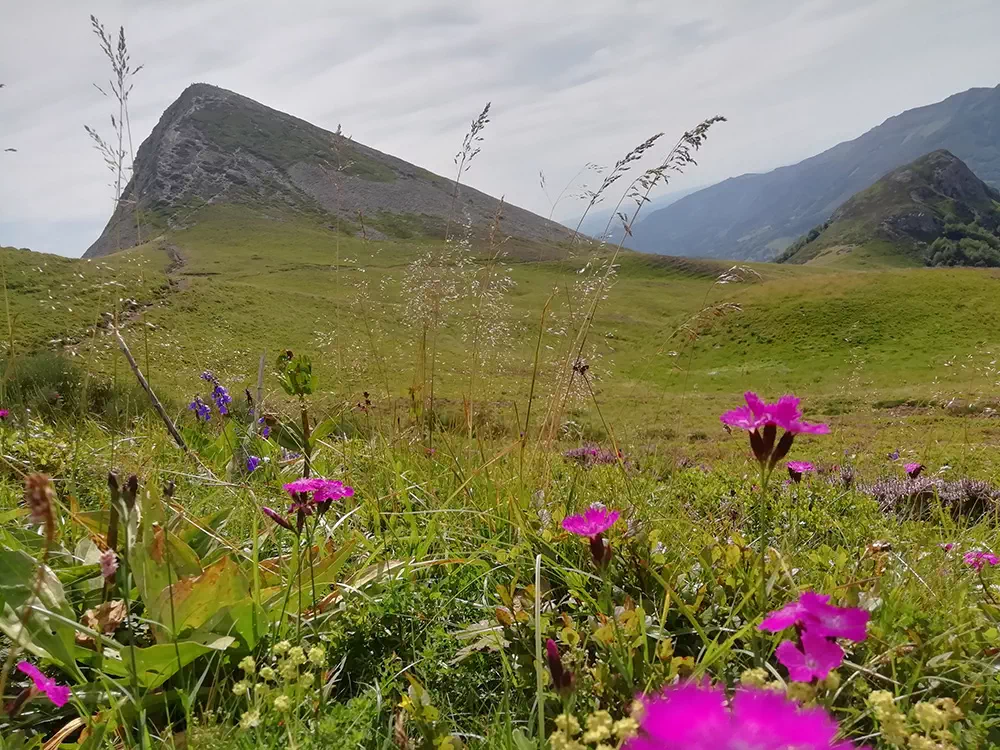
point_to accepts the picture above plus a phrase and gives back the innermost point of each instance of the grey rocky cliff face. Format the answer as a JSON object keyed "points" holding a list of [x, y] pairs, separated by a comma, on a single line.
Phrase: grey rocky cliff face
{"points": [[214, 146]]}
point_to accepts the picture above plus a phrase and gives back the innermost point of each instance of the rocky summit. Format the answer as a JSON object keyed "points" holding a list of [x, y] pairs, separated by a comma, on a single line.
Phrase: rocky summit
{"points": [[933, 211], [213, 146]]}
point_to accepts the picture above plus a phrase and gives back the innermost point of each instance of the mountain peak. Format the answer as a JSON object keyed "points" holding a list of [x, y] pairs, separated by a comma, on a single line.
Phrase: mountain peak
{"points": [[757, 216], [212, 145], [908, 216]]}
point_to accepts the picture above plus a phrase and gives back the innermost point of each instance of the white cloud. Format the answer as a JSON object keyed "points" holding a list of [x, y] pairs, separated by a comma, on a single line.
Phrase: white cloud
{"points": [[570, 81]]}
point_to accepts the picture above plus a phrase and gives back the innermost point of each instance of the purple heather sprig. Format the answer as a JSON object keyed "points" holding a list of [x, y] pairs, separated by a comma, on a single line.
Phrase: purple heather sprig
{"points": [[591, 454]]}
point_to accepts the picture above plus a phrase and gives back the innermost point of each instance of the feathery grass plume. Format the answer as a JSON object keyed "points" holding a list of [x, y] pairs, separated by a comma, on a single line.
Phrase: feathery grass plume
{"points": [[676, 161], [463, 159], [438, 279], [553, 204], [116, 158], [619, 170], [488, 328]]}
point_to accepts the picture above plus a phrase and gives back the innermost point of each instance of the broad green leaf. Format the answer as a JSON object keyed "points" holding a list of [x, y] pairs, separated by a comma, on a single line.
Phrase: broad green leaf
{"points": [[289, 436], [26, 583], [154, 665], [239, 621], [324, 573], [96, 521], [323, 429], [197, 536], [77, 573], [154, 549], [192, 601]]}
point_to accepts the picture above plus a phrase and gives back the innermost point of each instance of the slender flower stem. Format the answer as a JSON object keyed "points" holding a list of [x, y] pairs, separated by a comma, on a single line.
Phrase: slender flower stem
{"points": [[763, 517], [986, 589]]}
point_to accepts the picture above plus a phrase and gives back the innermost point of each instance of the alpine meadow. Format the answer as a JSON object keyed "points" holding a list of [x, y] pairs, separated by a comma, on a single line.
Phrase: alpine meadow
{"points": [[313, 447]]}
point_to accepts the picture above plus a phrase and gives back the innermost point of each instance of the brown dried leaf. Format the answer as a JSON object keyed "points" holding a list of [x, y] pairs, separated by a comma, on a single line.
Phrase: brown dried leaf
{"points": [[105, 619]]}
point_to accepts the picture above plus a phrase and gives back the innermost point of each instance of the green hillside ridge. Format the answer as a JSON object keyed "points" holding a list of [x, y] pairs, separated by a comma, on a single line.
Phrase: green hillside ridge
{"points": [[756, 216], [934, 211], [669, 342]]}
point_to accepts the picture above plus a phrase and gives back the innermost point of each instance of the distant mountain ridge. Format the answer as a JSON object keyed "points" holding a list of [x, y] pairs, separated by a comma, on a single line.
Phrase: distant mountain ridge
{"points": [[755, 216], [933, 211], [215, 146], [596, 223]]}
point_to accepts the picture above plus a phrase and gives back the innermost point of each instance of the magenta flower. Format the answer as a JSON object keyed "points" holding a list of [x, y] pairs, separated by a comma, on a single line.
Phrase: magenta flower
{"points": [[594, 521], [781, 619], [947, 546], [58, 694], [324, 492], [592, 524], [690, 716], [977, 559], [562, 678], [4, 414], [749, 417], [332, 490], [300, 486], [913, 470], [762, 421], [817, 658], [814, 613], [797, 468], [277, 518], [109, 563]]}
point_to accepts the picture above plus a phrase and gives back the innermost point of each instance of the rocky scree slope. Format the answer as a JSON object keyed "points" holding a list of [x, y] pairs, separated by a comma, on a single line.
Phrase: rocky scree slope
{"points": [[214, 146]]}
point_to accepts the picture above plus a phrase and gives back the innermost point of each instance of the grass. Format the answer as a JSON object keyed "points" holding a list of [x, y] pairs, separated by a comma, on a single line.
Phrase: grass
{"points": [[428, 571]]}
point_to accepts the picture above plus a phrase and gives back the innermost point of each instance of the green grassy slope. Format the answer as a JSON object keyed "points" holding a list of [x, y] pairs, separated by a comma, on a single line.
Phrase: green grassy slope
{"points": [[50, 297], [668, 338]]}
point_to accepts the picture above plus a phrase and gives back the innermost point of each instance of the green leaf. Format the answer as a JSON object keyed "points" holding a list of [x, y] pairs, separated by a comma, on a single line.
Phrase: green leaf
{"points": [[154, 548], [238, 621], [295, 374], [77, 573], [196, 599], [325, 572], [324, 428], [26, 583], [154, 665], [289, 436], [198, 537]]}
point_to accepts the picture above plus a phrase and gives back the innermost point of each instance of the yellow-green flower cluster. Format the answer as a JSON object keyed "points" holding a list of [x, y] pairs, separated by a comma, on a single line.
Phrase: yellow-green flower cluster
{"points": [[933, 719], [602, 732], [281, 683]]}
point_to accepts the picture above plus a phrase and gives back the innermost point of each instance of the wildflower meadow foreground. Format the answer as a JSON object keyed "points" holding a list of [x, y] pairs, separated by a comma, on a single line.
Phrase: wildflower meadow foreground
{"points": [[284, 580]]}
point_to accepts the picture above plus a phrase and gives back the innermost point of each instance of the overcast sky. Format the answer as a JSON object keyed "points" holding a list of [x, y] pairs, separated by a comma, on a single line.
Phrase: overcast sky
{"points": [[571, 81]]}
